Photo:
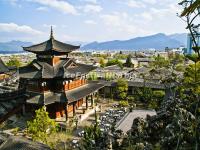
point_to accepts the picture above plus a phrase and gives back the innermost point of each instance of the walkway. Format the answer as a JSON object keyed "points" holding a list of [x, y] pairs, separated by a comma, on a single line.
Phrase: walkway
{"points": [[125, 123]]}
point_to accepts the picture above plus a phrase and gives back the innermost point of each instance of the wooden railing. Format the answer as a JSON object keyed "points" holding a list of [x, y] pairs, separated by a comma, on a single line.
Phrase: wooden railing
{"points": [[74, 84]]}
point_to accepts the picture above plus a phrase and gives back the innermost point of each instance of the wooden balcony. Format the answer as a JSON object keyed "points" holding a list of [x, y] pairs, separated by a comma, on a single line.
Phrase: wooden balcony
{"points": [[74, 84]]}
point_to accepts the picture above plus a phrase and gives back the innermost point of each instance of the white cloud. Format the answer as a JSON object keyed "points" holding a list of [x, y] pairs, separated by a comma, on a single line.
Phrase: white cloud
{"points": [[90, 1], [147, 16], [90, 22], [14, 3], [42, 9], [135, 4], [59, 5], [121, 22], [49, 25], [12, 27], [150, 1], [92, 8]]}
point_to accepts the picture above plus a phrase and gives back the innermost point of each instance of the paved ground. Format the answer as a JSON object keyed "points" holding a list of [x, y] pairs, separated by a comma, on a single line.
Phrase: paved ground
{"points": [[126, 122], [91, 118]]}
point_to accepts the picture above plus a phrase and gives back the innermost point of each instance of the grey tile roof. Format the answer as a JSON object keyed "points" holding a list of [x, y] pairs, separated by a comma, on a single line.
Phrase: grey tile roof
{"points": [[81, 92], [21, 143], [51, 47], [10, 102], [47, 98], [39, 69], [142, 84], [3, 67], [63, 97]]}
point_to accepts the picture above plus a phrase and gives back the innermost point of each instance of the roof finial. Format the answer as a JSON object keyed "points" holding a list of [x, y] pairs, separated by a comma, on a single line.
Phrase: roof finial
{"points": [[51, 36]]}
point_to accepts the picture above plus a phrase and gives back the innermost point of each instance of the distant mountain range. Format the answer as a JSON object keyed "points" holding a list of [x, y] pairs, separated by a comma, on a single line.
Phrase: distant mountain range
{"points": [[13, 47], [158, 41]]}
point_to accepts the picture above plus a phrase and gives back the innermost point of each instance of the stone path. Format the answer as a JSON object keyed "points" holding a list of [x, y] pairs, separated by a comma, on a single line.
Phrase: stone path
{"points": [[126, 122]]}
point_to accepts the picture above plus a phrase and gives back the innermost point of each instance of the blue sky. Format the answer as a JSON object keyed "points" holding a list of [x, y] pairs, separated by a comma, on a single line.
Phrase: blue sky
{"points": [[87, 20]]}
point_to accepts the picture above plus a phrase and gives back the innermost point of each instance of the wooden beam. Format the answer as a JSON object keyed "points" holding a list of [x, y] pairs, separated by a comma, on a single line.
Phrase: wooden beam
{"points": [[66, 112], [92, 101], [74, 109], [86, 102]]}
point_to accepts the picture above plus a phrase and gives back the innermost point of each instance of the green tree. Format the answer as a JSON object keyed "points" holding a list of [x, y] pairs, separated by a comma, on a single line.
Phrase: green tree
{"points": [[114, 62], [160, 62], [92, 76], [41, 127], [190, 15], [122, 88], [93, 136], [128, 61], [13, 62], [102, 62]]}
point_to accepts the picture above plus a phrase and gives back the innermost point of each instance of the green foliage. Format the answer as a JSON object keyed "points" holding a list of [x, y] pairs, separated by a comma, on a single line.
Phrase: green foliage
{"points": [[109, 76], [41, 127], [160, 62], [102, 62], [130, 99], [191, 15], [194, 5], [13, 62], [92, 76], [122, 88], [156, 99], [177, 59], [192, 73], [92, 136], [100, 55], [123, 103], [114, 62], [120, 56], [128, 61], [180, 68], [144, 94], [15, 130], [159, 94]]}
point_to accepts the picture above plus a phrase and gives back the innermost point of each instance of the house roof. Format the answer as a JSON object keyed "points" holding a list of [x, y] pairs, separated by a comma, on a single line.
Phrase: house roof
{"points": [[51, 47], [3, 67], [65, 68], [142, 84], [83, 91], [21, 143], [47, 98], [68, 96]]}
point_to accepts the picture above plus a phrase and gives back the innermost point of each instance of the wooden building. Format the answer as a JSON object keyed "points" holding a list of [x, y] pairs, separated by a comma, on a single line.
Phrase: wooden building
{"points": [[4, 70], [56, 81]]}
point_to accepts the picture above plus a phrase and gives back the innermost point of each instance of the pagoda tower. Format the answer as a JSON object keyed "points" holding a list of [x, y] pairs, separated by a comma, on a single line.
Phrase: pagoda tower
{"points": [[56, 81]]}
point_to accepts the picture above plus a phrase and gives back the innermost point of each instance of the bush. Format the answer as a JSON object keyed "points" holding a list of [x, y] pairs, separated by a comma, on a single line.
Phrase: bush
{"points": [[153, 104], [14, 62], [158, 94], [123, 103], [122, 88]]}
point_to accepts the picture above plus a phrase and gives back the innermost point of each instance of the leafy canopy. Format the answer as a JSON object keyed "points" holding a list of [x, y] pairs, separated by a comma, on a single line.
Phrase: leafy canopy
{"points": [[14, 62], [42, 126], [122, 88]]}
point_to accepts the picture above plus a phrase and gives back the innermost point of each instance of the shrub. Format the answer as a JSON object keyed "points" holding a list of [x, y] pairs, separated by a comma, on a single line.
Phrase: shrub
{"points": [[123, 103]]}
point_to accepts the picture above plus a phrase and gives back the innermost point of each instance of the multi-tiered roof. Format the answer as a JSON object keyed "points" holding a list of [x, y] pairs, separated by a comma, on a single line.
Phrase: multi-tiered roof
{"points": [[41, 68], [51, 47], [54, 68]]}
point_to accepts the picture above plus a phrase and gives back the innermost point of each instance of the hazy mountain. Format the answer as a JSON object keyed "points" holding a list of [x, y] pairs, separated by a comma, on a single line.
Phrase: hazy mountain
{"points": [[13, 46], [181, 37], [158, 41], [77, 43]]}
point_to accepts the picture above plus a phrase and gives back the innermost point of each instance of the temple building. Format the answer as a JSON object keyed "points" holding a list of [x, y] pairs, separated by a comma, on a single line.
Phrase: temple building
{"points": [[4, 70], [56, 81]]}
